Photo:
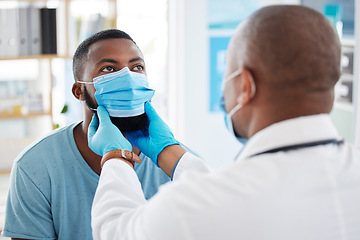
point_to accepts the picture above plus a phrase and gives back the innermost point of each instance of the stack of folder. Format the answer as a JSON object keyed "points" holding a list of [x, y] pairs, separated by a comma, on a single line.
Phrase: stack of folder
{"points": [[27, 31]]}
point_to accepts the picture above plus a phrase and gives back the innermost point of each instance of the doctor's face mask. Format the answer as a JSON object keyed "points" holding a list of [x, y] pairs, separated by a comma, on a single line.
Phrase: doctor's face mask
{"points": [[228, 116]]}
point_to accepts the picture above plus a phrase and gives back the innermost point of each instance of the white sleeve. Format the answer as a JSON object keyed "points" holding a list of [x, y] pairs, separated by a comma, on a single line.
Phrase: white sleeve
{"points": [[120, 210], [189, 162], [118, 193]]}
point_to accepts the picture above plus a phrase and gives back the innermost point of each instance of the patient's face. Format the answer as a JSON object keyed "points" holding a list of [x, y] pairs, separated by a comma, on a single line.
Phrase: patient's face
{"points": [[107, 56]]}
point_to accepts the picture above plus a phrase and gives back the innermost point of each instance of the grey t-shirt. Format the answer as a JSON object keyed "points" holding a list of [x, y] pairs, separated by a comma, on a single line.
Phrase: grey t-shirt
{"points": [[52, 189]]}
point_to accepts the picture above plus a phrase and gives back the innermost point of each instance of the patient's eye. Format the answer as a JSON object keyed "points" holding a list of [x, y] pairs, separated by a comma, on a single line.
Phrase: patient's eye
{"points": [[108, 69], [138, 68]]}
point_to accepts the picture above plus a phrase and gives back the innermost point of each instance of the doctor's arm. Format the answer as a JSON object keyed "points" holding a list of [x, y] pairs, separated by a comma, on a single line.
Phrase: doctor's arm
{"points": [[120, 210]]}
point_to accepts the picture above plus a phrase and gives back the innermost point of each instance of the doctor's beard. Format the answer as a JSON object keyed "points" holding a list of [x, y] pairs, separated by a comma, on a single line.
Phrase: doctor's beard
{"points": [[124, 124]]}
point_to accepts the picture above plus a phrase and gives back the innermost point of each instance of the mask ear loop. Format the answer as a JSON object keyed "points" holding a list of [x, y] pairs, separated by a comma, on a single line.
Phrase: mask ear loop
{"points": [[234, 110], [225, 81], [231, 76], [253, 89], [91, 83], [92, 109]]}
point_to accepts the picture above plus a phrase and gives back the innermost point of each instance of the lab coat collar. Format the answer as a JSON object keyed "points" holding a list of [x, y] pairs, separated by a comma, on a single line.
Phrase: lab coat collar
{"points": [[291, 132]]}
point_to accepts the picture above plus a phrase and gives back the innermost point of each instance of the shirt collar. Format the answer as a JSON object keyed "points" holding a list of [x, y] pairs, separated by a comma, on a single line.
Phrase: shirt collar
{"points": [[290, 132]]}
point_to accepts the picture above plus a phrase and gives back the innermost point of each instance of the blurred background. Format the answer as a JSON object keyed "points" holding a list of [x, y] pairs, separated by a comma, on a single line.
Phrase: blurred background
{"points": [[184, 44]]}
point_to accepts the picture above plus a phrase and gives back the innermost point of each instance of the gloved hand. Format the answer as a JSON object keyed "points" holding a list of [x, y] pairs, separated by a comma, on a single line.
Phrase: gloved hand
{"points": [[105, 136], [160, 135]]}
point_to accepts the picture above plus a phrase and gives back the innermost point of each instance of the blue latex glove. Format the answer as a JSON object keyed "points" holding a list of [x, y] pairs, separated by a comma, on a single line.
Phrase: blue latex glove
{"points": [[105, 136], [160, 136]]}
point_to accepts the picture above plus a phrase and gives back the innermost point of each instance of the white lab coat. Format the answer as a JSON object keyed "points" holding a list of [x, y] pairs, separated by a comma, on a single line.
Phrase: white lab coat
{"points": [[308, 193]]}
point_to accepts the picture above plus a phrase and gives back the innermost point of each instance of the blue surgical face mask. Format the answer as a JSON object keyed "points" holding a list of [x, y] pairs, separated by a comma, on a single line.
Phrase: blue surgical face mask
{"points": [[228, 121], [122, 93], [227, 118]]}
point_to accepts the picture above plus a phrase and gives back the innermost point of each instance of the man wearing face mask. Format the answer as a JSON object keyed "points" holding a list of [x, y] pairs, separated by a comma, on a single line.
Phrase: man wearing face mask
{"points": [[53, 182], [295, 178]]}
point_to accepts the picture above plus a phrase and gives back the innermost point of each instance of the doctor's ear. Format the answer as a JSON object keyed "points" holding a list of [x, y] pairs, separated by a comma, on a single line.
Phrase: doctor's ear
{"points": [[248, 87], [78, 91]]}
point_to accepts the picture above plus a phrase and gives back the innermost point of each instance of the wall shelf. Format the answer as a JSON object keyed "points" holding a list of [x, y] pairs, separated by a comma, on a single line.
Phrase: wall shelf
{"points": [[29, 115], [38, 57]]}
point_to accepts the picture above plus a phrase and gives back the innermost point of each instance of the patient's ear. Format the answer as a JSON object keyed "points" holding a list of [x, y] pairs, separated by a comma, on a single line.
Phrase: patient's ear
{"points": [[78, 91]]}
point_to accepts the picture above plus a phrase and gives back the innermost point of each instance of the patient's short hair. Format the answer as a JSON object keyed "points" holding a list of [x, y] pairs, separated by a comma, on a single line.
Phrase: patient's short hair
{"points": [[83, 49]]}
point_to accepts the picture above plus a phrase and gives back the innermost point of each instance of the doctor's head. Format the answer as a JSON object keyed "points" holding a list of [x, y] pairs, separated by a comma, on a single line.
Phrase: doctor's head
{"points": [[105, 54], [286, 61]]}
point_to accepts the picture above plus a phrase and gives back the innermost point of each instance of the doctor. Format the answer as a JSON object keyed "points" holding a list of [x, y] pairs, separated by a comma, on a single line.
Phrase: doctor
{"points": [[295, 179]]}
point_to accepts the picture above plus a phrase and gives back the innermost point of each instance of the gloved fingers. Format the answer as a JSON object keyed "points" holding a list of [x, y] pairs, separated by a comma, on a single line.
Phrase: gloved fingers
{"points": [[133, 137], [94, 124], [150, 111], [123, 142], [103, 115]]}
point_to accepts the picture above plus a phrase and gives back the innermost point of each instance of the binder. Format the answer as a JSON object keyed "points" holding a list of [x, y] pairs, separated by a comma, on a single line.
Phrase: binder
{"points": [[10, 28], [48, 31], [23, 27], [52, 32], [34, 33], [2, 32]]}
